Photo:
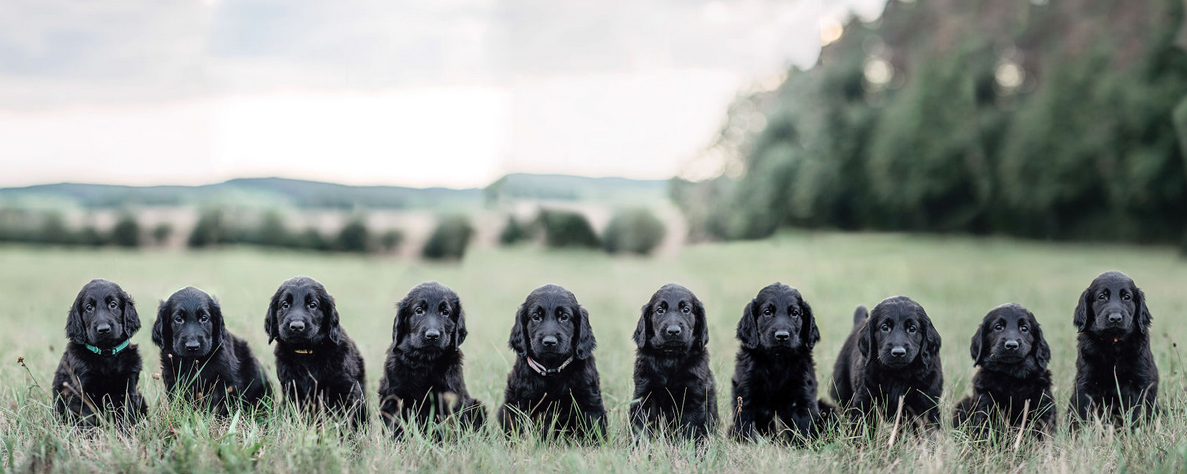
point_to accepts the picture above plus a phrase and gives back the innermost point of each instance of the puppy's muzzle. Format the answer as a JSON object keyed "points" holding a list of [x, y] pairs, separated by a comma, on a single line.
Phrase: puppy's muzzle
{"points": [[432, 335], [673, 330], [297, 326], [549, 341], [898, 352]]}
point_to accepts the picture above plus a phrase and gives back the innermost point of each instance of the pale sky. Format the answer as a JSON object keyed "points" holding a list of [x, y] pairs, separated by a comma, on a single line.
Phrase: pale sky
{"points": [[417, 93]]}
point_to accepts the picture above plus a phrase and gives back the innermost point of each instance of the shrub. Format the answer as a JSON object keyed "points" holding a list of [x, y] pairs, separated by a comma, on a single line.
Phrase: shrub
{"points": [[162, 232], [450, 239], [53, 231], [353, 237], [126, 232], [90, 236], [390, 240], [514, 231], [312, 239], [567, 229], [633, 230], [208, 231], [272, 231]]}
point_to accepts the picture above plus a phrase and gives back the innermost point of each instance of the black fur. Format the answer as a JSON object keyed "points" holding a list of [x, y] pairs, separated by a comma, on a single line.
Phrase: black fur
{"points": [[674, 388], [89, 386], [422, 379], [869, 378], [201, 360], [1013, 355], [551, 328], [1116, 377], [317, 364], [774, 374]]}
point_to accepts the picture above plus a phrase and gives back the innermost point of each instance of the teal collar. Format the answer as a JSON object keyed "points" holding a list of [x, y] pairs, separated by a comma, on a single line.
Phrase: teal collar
{"points": [[109, 352]]}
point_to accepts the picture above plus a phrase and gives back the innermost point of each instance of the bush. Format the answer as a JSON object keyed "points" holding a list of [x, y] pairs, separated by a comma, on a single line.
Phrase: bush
{"points": [[567, 229], [312, 239], [126, 232], [161, 233], [450, 239], [90, 236], [53, 231], [353, 237], [633, 230], [390, 241], [272, 231], [208, 231], [514, 231]]}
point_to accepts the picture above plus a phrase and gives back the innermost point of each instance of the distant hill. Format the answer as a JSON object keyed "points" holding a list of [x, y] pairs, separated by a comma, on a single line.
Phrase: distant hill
{"points": [[256, 192], [575, 188]]}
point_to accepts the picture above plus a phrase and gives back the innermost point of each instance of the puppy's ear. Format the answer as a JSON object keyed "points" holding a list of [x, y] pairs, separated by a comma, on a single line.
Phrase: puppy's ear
{"points": [[747, 327], [978, 343], [1042, 351], [810, 333], [643, 329], [459, 322], [519, 339], [1084, 315], [865, 337], [400, 323], [76, 328], [162, 332], [218, 327], [702, 329], [131, 319], [931, 343], [332, 327], [1145, 319], [271, 325], [585, 341]]}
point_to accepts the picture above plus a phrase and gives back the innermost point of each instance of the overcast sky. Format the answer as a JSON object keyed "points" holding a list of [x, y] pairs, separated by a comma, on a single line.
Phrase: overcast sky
{"points": [[419, 93]]}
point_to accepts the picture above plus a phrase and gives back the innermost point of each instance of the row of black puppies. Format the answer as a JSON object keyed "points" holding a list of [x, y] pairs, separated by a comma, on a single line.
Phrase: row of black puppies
{"points": [[888, 367]]}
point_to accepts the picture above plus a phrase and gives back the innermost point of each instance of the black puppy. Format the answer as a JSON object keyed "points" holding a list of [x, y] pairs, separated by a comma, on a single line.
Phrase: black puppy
{"points": [[774, 375], [1116, 377], [1013, 386], [554, 382], [201, 358], [100, 368], [673, 383], [892, 354], [317, 364], [422, 379]]}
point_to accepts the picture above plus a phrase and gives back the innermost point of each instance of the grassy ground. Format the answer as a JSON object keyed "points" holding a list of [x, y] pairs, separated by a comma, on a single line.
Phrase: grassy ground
{"points": [[956, 279]]}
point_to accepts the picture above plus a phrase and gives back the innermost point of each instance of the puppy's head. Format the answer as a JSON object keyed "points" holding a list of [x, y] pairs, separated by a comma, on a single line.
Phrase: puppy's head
{"points": [[1009, 337], [189, 323], [550, 325], [302, 312], [430, 318], [674, 320], [1112, 307], [102, 315], [778, 319], [899, 332]]}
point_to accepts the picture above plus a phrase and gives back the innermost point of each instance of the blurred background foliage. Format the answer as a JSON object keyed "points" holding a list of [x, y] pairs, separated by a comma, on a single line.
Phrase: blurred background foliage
{"points": [[1054, 120]]}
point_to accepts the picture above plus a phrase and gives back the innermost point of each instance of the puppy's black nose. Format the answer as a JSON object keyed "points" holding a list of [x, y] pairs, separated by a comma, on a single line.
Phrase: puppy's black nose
{"points": [[191, 345], [1011, 345], [432, 334], [1114, 317], [673, 330], [103, 328], [549, 340], [296, 326], [898, 351], [782, 335]]}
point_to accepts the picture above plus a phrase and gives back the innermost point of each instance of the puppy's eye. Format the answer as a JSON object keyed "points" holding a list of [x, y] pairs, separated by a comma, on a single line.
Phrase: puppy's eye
{"points": [[912, 329], [659, 310], [767, 312], [1125, 296], [418, 311], [114, 305], [564, 317], [1023, 328], [178, 319], [885, 328], [537, 317], [312, 305], [999, 327], [686, 310], [1102, 297], [795, 311], [445, 312], [89, 307], [203, 317], [284, 305]]}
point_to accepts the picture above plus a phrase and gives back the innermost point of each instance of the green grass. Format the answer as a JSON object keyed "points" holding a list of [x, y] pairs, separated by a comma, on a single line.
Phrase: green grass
{"points": [[956, 279]]}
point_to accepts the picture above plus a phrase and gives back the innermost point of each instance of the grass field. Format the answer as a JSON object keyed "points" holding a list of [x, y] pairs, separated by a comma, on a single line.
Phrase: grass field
{"points": [[956, 279]]}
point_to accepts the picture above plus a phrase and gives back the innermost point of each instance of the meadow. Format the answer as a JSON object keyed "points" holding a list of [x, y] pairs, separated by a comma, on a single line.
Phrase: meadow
{"points": [[957, 280]]}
